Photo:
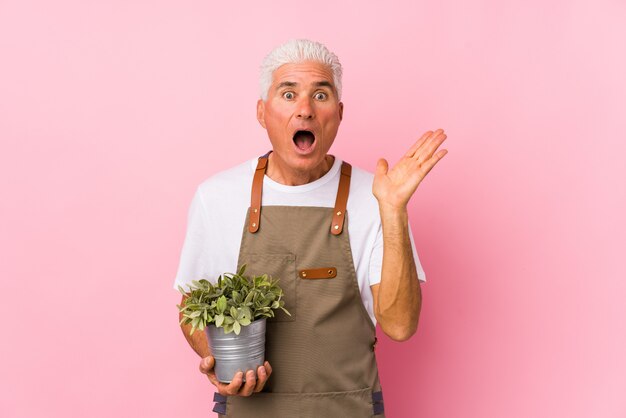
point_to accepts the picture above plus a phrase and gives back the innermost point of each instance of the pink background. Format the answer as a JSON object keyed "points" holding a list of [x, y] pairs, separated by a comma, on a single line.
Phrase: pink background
{"points": [[112, 112]]}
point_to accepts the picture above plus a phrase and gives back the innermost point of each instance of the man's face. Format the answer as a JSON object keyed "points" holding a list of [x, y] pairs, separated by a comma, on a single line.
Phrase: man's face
{"points": [[302, 114]]}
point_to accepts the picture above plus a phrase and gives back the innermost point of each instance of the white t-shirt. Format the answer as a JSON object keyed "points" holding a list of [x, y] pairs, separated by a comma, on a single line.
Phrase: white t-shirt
{"points": [[218, 211]]}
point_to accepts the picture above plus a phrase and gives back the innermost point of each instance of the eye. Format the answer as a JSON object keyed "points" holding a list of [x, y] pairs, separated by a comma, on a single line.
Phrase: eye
{"points": [[320, 95], [288, 95]]}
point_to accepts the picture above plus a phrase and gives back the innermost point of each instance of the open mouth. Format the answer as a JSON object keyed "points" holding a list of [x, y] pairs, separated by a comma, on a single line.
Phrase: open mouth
{"points": [[304, 139]]}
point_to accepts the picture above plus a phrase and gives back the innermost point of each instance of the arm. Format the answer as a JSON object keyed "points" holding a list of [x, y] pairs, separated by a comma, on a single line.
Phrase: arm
{"points": [[198, 341], [398, 296]]}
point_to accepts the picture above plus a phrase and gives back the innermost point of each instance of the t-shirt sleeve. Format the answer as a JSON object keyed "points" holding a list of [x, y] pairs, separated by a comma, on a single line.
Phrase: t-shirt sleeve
{"points": [[195, 248], [376, 260]]}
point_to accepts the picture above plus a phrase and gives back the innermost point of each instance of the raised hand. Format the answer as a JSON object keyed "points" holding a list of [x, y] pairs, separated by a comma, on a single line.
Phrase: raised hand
{"points": [[393, 188]]}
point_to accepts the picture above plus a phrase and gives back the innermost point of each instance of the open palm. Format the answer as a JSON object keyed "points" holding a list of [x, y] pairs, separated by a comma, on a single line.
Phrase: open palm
{"points": [[394, 188]]}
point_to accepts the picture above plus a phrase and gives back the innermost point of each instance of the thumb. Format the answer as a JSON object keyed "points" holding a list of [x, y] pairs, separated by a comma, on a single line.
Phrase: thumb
{"points": [[207, 364], [382, 166]]}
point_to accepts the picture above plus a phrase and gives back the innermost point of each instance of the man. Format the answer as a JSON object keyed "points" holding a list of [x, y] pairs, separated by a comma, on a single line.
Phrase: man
{"points": [[318, 213]]}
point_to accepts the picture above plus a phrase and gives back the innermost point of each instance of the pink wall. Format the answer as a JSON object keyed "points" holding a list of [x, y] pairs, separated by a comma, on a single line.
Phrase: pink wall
{"points": [[112, 112]]}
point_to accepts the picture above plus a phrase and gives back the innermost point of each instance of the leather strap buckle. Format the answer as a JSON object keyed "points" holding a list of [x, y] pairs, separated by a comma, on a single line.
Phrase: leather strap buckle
{"points": [[341, 202], [257, 193]]}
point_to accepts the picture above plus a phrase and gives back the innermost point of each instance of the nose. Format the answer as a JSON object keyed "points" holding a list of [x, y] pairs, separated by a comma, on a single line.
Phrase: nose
{"points": [[305, 109]]}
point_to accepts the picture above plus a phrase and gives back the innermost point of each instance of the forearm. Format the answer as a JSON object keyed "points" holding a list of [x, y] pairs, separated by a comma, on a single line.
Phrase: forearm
{"points": [[399, 293], [198, 341]]}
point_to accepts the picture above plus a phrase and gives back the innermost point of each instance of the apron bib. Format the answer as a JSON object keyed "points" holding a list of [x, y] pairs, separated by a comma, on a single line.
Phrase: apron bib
{"points": [[322, 356]]}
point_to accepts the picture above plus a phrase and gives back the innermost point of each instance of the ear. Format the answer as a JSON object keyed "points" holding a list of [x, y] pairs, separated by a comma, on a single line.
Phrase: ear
{"points": [[260, 112], [340, 111]]}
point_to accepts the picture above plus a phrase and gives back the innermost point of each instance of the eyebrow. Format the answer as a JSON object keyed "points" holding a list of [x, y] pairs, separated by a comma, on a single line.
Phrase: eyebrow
{"points": [[286, 84], [294, 84], [325, 83]]}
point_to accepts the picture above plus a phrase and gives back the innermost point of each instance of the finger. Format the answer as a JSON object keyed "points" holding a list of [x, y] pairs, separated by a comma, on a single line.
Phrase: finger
{"points": [[233, 387], [417, 144], [428, 165], [268, 368], [429, 140], [213, 379], [207, 364], [248, 387], [382, 166], [260, 379], [222, 388], [430, 147]]}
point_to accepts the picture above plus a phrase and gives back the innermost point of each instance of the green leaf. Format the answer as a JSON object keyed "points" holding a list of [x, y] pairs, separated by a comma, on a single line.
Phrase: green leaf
{"points": [[227, 282], [221, 304], [194, 323], [236, 327], [249, 297], [244, 321]]}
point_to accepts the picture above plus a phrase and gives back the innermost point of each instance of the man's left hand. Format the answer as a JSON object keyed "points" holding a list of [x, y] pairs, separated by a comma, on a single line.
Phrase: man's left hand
{"points": [[393, 188]]}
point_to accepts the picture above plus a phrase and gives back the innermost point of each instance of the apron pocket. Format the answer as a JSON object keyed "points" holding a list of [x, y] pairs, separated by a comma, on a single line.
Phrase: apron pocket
{"points": [[281, 267]]}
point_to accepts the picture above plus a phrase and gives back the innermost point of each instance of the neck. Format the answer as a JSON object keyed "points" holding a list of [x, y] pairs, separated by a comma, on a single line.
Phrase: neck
{"points": [[278, 171]]}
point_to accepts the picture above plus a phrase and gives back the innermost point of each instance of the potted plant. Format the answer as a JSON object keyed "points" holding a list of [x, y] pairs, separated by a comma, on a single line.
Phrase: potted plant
{"points": [[233, 314]]}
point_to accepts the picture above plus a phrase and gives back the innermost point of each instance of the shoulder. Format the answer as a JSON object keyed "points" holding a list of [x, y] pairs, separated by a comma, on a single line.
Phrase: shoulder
{"points": [[361, 198], [227, 182]]}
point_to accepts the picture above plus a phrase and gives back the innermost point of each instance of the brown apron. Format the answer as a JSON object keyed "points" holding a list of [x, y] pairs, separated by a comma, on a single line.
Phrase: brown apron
{"points": [[322, 356]]}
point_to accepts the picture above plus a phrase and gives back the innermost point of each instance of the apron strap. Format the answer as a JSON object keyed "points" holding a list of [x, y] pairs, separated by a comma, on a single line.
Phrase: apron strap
{"points": [[339, 212], [341, 201], [257, 191]]}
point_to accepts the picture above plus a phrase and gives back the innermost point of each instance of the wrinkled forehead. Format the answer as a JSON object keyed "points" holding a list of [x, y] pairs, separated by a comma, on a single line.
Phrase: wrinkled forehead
{"points": [[304, 76], [306, 73]]}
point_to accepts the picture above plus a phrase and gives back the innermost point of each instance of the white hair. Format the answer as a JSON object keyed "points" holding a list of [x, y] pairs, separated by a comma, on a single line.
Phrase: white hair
{"points": [[294, 51]]}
